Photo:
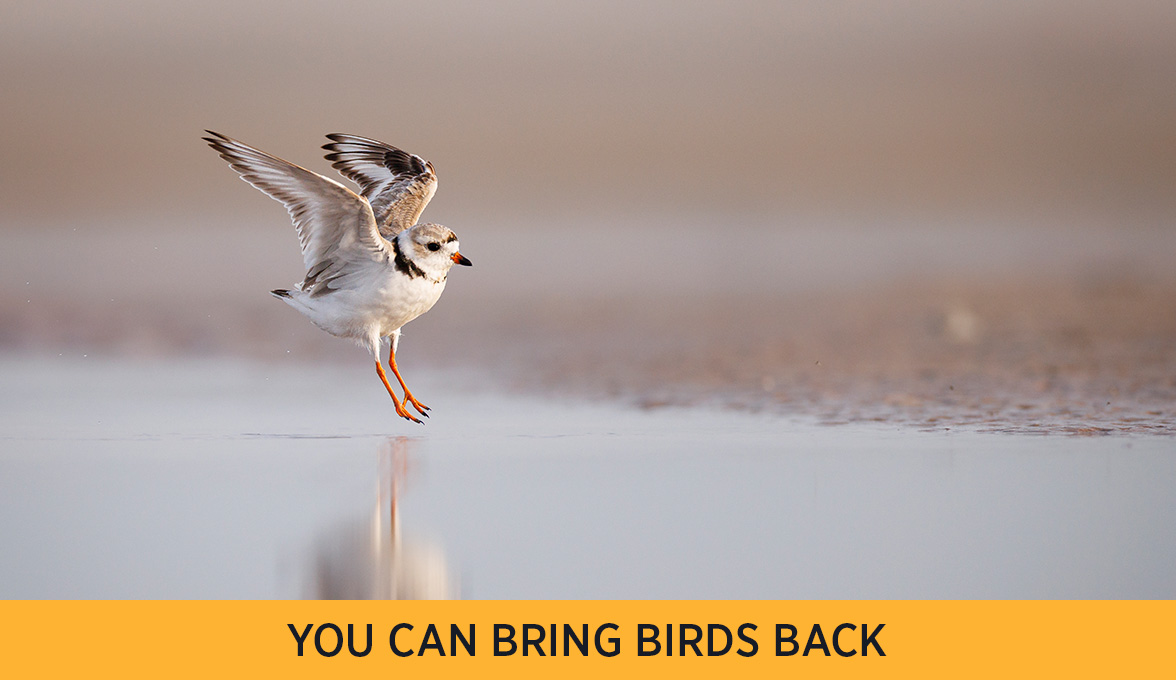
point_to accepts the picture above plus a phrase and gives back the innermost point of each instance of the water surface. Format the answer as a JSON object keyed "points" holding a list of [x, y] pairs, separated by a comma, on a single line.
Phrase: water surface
{"points": [[227, 479]]}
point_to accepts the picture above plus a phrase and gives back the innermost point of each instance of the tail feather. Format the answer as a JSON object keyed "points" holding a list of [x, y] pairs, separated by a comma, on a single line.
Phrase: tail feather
{"points": [[280, 293]]}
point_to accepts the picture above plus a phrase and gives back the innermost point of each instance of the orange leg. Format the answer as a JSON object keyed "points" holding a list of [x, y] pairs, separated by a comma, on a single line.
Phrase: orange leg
{"points": [[400, 410], [408, 398]]}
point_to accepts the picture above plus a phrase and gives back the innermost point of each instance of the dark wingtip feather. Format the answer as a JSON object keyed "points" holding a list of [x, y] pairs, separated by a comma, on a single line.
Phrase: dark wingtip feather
{"points": [[280, 293], [218, 142]]}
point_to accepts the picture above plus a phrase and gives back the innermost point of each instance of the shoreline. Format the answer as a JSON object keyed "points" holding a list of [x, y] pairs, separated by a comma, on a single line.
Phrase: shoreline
{"points": [[1082, 357]]}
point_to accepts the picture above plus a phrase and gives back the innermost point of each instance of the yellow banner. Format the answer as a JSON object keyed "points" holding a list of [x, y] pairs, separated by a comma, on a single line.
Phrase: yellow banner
{"points": [[588, 639]]}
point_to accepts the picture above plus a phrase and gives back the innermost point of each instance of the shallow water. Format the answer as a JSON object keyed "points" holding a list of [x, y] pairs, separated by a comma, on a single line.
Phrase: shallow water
{"points": [[228, 479]]}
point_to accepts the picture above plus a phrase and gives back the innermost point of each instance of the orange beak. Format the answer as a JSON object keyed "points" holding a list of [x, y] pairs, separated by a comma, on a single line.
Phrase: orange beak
{"points": [[458, 258]]}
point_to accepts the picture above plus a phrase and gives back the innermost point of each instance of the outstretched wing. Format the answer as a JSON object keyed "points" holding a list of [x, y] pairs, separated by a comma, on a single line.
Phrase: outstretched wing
{"points": [[397, 184], [336, 227]]}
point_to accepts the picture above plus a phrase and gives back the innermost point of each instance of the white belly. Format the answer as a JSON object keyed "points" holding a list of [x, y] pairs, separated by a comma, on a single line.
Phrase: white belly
{"points": [[379, 308]]}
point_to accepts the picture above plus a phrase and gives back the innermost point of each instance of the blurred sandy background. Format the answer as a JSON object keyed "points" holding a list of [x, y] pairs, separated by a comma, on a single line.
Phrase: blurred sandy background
{"points": [[918, 211]]}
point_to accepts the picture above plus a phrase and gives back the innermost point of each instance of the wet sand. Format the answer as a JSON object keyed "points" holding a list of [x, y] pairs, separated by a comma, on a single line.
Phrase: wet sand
{"points": [[1037, 357]]}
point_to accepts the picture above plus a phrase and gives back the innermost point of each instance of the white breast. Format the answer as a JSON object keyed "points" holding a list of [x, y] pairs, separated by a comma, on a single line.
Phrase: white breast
{"points": [[401, 300]]}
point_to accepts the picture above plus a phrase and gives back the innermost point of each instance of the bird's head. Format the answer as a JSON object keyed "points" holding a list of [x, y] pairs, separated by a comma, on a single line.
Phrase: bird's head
{"points": [[433, 248]]}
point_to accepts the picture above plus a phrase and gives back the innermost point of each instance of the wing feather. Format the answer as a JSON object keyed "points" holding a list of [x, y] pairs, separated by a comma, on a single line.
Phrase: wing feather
{"points": [[397, 184], [336, 227]]}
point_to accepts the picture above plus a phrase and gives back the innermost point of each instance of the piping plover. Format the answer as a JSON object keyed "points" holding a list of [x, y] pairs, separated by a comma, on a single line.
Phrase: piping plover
{"points": [[370, 268]]}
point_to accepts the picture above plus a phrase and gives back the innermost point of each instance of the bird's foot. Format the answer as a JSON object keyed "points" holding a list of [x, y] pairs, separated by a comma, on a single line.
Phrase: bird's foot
{"points": [[421, 408], [403, 413]]}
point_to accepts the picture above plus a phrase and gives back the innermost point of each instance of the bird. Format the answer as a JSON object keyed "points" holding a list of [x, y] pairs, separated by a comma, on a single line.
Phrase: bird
{"points": [[370, 266]]}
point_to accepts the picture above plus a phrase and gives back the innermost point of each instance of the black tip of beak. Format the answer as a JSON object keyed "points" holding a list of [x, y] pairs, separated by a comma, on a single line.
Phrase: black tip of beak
{"points": [[462, 259]]}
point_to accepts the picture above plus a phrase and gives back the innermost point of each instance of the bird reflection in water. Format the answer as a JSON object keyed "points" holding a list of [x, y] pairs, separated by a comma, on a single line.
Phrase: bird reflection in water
{"points": [[370, 559]]}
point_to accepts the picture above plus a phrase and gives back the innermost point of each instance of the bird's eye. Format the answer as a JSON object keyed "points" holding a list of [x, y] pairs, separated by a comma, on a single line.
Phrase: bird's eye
{"points": [[434, 246]]}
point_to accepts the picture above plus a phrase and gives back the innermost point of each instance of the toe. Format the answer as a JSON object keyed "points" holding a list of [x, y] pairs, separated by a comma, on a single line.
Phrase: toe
{"points": [[403, 413]]}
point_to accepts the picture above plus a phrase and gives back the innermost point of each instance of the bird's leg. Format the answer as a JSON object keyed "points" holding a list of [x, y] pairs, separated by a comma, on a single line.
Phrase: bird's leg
{"points": [[408, 398], [400, 410]]}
